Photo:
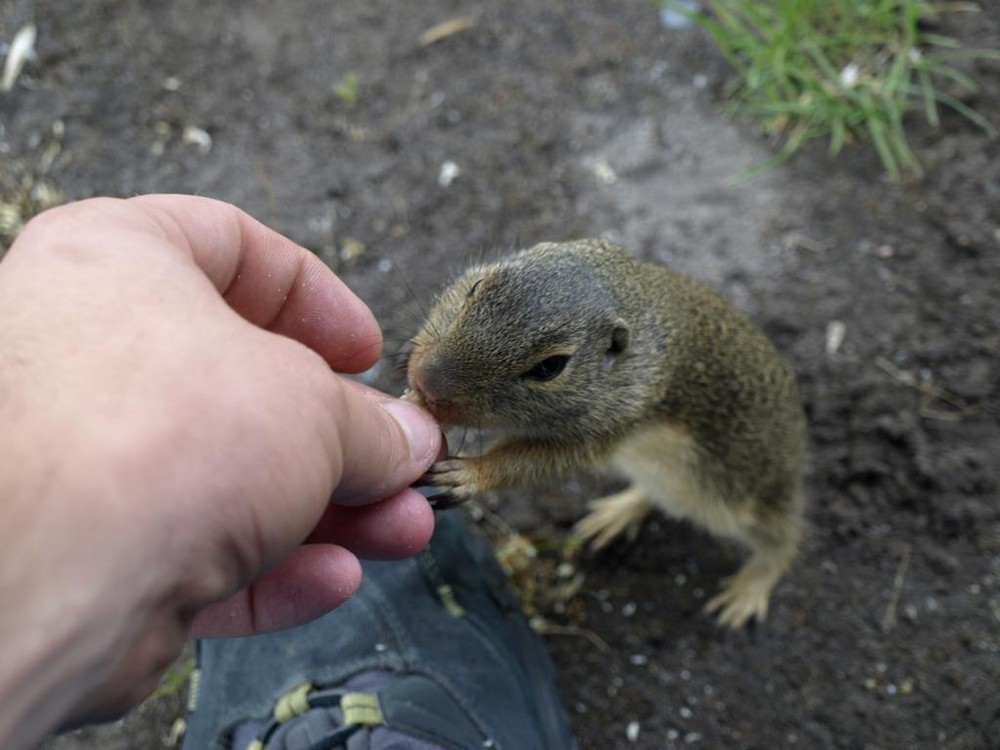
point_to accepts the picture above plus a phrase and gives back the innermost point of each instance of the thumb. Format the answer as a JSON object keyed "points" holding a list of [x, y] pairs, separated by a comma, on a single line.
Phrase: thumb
{"points": [[387, 444]]}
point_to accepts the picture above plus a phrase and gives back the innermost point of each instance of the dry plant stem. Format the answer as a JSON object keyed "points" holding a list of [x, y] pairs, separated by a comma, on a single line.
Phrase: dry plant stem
{"points": [[544, 627], [446, 29], [928, 391], [889, 618]]}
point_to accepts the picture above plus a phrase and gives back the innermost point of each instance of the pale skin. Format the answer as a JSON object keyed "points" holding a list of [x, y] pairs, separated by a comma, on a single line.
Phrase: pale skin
{"points": [[179, 454]]}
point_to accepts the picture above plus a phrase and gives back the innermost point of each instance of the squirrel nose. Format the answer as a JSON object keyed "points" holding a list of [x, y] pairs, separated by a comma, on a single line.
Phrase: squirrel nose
{"points": [[433, 381]]}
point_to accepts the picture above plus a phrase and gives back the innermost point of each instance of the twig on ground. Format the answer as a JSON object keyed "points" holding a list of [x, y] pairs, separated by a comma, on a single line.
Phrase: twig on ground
{"points": [[929, 391], [889, 618], [446, 29], [543, 627]]}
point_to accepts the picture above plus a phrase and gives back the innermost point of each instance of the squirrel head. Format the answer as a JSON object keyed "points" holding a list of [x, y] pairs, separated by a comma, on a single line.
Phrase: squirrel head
{"points": [[543, 344]]}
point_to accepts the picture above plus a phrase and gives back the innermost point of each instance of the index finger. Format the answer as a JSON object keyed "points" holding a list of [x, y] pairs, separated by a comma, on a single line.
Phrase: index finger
{"points": [[269, 280]]}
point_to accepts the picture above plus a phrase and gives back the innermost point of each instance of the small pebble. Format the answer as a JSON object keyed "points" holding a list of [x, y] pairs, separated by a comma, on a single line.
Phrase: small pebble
{"points": [[659, 69], [320, 224], [685, 712], [197, 137], [691, 737], [639, 659], [836, 330], [629, 609], [604, 172], [632, 731], [449, 171], [20, 51]]}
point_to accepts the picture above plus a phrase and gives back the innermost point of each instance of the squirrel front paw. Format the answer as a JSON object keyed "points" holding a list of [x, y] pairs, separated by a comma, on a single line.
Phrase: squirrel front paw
{"points": [[455, 478]]}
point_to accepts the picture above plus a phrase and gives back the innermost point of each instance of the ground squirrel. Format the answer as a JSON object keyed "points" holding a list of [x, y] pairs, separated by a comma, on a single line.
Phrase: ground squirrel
{"points": [[581, 355]]}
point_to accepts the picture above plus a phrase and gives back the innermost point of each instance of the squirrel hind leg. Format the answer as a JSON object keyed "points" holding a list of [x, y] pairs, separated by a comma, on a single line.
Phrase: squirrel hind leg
{"points": [[611, 516], [746, 595]]}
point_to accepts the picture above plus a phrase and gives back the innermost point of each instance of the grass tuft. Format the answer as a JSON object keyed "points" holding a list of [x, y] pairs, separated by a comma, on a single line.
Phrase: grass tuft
{"points": [[847, 70]]}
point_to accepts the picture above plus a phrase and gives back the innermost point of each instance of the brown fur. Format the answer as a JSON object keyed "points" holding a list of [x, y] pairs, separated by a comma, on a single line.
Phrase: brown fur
{"points": [[664, 380]]}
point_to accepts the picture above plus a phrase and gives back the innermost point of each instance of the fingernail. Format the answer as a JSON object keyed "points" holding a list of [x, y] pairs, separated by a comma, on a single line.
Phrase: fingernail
{"points": [[422, 432]]}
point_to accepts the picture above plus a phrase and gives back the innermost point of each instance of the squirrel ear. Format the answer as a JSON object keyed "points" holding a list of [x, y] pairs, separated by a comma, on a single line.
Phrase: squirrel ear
{"points": [[619, 340]]}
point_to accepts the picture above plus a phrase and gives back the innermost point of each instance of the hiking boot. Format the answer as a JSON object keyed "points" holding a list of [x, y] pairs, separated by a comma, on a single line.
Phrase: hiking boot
{"points": [[431, 653]]}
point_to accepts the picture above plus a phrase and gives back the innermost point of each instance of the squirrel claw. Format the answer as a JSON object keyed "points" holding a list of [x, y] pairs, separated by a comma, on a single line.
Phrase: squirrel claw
{"points": [[455, 480], [744, 599]]}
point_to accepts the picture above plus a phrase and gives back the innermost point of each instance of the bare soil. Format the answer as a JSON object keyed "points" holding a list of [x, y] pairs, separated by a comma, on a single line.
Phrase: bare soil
{"points": [[569, 119]]}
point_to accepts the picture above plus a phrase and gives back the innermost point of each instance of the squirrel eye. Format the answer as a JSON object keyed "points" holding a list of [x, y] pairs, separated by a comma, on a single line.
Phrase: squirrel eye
{"points": [[548, 369]]}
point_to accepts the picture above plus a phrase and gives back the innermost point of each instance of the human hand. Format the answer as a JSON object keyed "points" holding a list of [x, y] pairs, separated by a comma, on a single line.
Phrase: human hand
{"points": [[173, 431]]}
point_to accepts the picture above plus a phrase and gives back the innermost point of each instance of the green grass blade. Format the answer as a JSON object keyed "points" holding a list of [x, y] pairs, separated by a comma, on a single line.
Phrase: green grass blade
{"points": [[967, 112], [877, 132], [927, 94], [838, 135], [955, 75]]}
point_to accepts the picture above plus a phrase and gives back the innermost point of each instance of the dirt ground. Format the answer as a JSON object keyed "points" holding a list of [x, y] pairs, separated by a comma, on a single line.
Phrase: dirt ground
{"points": [[585, 118]]}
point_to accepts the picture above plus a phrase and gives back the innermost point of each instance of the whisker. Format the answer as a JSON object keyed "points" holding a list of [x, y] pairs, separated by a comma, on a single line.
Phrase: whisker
{"points": [[413, 297]]}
